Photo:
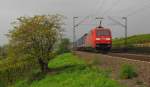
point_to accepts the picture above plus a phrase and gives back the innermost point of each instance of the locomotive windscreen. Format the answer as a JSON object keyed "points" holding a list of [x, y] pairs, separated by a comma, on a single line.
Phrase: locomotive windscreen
{"points": [[102, 33]]}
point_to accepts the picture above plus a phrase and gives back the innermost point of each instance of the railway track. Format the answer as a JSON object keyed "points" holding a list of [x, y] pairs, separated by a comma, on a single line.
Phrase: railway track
{"points": [[139, 57]]}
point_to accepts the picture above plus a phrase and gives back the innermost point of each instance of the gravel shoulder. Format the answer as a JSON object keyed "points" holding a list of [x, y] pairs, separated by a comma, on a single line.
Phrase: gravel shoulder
{"points": [[115, 63]]}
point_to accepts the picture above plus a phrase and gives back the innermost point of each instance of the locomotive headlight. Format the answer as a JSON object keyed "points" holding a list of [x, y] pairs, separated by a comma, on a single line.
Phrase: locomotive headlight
{"points": [[98, 39], [107, 38]]}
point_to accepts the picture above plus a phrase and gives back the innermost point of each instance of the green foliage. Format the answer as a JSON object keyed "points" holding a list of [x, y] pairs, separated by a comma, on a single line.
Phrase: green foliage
{"points": [[12, 70], [2, 84], [30, 48], [77, 77], [63, 47], [35, 36], [76, 74], [23, 83], [3, 52], [136, 39], [128, 71], [64, 60]]}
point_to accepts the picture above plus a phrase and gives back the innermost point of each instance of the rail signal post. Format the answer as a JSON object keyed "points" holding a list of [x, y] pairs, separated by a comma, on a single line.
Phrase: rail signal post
{"points": [[74, 32]]}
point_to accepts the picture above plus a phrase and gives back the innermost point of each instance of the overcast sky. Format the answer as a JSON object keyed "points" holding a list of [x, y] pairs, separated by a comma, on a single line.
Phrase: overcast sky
{"points": [[138, 12]]}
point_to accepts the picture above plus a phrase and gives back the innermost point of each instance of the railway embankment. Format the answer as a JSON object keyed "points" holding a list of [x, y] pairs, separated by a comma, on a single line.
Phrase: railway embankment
{"points": [[114, 64]]}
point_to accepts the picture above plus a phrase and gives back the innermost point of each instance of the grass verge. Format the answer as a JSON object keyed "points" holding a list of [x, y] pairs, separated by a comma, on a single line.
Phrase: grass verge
{"points": [[70, 71]]}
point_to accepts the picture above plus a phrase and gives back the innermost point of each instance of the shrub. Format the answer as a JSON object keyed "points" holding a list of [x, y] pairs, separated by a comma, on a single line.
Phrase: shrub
{"points": [[35, 75], [128, 71], [2, 84], [12, 70], [37, 36], [64, 46]]}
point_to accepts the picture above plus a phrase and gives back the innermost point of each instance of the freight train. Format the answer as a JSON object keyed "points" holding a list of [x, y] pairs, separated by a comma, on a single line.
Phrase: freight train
{"points": [[98, 38]]}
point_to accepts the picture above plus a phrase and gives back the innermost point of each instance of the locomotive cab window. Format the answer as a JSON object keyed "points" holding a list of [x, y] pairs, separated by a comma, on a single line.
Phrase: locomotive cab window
{"points": [[102, 33]]}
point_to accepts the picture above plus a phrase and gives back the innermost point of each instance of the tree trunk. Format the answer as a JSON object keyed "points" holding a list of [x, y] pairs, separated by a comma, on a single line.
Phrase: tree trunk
{"points": [[43, 66]]}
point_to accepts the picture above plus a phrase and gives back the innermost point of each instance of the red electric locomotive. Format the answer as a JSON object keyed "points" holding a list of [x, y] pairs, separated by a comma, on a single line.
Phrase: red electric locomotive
{"points": [[98, 38]]}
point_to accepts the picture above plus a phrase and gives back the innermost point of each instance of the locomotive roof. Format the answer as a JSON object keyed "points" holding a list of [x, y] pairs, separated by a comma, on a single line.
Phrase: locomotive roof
{"points": [[100, 28]]}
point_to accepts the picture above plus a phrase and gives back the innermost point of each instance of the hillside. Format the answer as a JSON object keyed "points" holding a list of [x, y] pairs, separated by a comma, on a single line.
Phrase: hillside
{"points": [[136, 40]]}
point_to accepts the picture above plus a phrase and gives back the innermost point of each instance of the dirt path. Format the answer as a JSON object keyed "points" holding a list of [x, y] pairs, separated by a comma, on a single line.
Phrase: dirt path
{"points": [[114, 63]]}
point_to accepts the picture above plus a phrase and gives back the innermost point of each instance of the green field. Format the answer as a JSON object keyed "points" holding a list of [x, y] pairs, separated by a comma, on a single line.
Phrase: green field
{"points": [[136, 39], [70, 71]]}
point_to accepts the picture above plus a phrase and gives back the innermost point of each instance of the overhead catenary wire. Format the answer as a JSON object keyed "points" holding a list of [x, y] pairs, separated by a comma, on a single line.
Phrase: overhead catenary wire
{"points": [[117, 22], [129, 8], [113, 5], [100, 5], [116, 3], [133, 8], [82, 21], [99, 8], [145, 7]]}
